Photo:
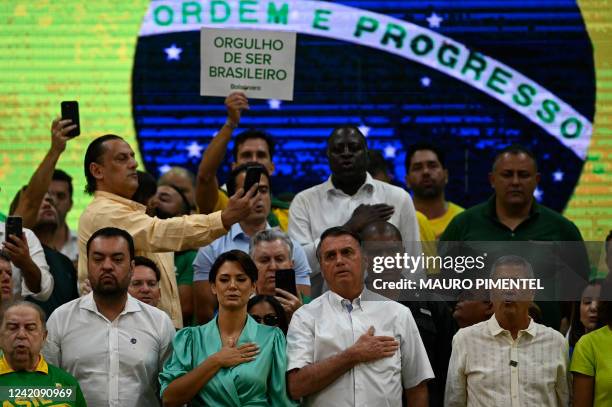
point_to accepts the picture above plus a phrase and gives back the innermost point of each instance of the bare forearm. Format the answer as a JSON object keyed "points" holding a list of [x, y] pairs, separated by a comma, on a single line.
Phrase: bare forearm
{"points": [[32, 197], [183, 389], [303, 289], [418, 396], [31, 276], [207, 184], [313, 378]]}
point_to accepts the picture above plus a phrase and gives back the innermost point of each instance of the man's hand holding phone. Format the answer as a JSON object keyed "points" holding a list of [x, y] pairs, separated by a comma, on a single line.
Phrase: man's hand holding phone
{"points": [[60, 128], [290, 302]]}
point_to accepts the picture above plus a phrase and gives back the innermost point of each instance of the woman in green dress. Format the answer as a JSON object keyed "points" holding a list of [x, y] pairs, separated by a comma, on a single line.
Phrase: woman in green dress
{"points": [[231, 361]]}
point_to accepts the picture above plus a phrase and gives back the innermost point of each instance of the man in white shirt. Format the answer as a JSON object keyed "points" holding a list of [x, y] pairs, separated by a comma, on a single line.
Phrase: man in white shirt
{"points": [[31, 274], [352, 347], [350, 198], [508, 360], [113, 344]]}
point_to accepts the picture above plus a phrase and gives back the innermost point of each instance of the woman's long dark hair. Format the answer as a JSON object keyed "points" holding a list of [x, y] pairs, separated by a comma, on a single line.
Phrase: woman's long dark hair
{"points": [[283, 324], [576, 328]]}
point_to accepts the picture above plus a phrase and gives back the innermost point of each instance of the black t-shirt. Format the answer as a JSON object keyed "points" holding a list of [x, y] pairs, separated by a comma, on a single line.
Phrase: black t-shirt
{"points": [[65, 281]]}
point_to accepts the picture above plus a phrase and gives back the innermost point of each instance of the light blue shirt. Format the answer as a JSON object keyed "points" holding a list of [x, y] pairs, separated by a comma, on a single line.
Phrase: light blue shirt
{"points": [[237, 239]]}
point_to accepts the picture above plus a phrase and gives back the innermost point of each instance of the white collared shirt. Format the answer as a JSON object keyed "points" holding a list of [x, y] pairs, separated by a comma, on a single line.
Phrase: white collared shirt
{"points": [[71, 247], [316, 209], [38, 257], [490, 368], [325, 327], [116, 363]]}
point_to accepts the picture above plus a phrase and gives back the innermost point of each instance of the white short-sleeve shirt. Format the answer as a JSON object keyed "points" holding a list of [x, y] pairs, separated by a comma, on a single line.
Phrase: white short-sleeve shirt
{"points": [[116, 363], [325, 328], [37, 255]]}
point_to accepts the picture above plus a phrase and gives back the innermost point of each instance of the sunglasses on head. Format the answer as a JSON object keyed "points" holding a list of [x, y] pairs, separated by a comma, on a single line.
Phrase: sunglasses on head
{"points": [[270, 319]]}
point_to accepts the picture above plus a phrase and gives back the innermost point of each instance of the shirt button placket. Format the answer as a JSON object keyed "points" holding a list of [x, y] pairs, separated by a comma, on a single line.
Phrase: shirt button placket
{"points": [[113, 336]]}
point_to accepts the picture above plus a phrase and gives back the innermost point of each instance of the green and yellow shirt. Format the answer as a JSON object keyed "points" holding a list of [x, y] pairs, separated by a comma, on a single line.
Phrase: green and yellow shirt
{"points": [[43, 376]]}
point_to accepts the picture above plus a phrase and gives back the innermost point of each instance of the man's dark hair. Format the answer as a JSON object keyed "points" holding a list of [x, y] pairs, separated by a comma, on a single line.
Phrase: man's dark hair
{"points": [[380, 228], [231, 180], [22, 303], [424, 146], [283, 324], [336, 231], [252, 134], [4, 257], [237, 256], [147, 186], [516, 149], [59, 175], [605, 302], [350, 128], [94, 152], [15, 202], [113, 232], [608, 240], [377, 163], [147, 262]]}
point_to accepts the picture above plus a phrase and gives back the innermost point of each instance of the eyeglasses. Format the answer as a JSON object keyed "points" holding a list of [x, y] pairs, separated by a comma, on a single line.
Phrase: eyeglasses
{"points": [[270, 319]]}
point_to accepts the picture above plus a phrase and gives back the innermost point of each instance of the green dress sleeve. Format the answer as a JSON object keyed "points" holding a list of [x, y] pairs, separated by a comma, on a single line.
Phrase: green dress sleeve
{"points": [[277, 385], [181, 360]]}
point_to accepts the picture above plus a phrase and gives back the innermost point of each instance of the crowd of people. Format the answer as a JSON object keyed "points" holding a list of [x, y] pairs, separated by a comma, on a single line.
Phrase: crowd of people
{"points": [[167, 293]]}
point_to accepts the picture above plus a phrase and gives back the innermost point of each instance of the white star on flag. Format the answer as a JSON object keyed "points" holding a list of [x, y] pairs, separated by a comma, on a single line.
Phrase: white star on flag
{"points": [[538, 194], [274, 104], [195, 150], [365, 130], [390, 151], [173, 53], [558, 176], [434, 20], [425, 81], [164, 169]]}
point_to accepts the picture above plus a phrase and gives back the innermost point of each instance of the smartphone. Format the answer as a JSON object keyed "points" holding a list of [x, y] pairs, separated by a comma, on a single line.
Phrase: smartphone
{"points": [[70, 110], [253, 175], [285, 280], [14, 226]]}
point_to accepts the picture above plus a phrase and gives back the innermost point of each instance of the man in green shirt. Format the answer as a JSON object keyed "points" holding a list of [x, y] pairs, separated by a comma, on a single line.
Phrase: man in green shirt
{"points": [[512, 214], [22, 367]]}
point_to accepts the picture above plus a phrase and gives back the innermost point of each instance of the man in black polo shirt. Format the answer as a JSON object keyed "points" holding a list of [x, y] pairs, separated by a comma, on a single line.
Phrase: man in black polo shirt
{"points": [[512, 214]]}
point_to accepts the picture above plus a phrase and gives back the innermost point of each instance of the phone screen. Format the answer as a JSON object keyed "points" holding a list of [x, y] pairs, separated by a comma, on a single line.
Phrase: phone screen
{"points": [[70, 110], [253, 175], [285, 280], [14, 226]]}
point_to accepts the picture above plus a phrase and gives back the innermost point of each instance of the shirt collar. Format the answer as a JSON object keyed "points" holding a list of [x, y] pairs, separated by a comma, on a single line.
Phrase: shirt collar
{"points": [[88, 303], [237, 232], [340, 303], [369, 184], [41, 366], [119, 199], [491, 210], [495, 329]]}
